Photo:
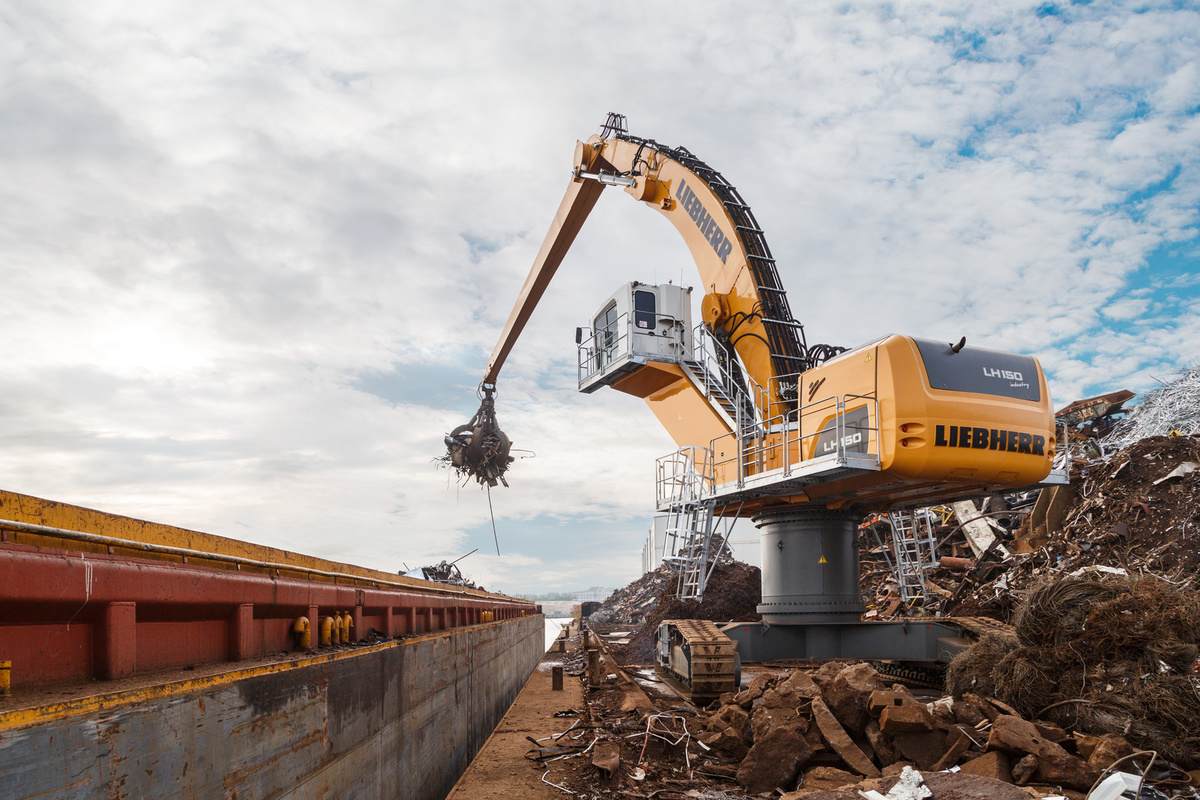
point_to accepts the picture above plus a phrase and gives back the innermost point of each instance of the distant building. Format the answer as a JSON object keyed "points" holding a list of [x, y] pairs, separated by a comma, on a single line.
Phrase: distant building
{"points": [[654, 549], [596, 594], [745, 543]]}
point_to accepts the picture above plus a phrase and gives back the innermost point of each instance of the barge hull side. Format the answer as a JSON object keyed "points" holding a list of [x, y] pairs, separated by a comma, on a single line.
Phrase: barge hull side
{"points": [[399, 720]]}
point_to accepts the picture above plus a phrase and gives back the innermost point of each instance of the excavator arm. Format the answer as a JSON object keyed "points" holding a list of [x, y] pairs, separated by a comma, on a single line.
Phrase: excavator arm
{"points": [[576, 205], [744, 303], [744, 306]]}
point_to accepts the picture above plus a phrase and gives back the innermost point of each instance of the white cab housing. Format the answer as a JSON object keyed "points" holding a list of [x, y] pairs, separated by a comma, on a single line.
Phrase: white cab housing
{"points": [[639, 323]]}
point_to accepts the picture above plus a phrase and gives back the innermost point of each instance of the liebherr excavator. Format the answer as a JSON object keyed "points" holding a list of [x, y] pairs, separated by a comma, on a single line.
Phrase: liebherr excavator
{"points": [[802, 439]]}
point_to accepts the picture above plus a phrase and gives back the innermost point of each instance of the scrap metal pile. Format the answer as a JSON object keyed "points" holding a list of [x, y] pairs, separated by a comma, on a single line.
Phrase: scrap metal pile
{"points": [[842, 732], [1136, 512], [1106, 655], [838, 732], [1173, 409], [1132, 508], [733, 594], [443, 572], [638, 601], [1097, 682], [633, 603]]}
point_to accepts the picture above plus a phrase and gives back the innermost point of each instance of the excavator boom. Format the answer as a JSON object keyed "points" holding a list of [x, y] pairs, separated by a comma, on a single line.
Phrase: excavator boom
{"points": [[578, 202], [772, 405]]}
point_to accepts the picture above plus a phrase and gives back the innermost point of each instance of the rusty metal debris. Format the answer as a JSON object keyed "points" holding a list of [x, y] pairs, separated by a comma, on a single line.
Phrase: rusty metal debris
{"points": [[847, 731], [479, 450], [1100, 581], [1173, 409], [1101, 653], [1095, 416], [443, 572]]}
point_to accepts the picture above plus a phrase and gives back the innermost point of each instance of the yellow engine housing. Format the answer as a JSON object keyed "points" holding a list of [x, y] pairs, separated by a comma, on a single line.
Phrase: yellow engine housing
{"points": [[919, 422], [959, 431]]}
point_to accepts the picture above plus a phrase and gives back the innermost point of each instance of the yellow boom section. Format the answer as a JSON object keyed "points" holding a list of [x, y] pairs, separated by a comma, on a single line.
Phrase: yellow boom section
{"points": [[733, 302]]}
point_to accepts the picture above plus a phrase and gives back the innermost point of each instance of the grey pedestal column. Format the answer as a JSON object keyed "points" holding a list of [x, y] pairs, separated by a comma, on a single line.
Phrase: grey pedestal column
{"points": [[811, 604], [809, 566]]}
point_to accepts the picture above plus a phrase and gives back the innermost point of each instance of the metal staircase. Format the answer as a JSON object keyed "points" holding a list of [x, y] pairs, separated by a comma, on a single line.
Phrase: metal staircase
{"points": [[913, 542], [720, 387], [683, 481], [713, 368], [690, 527], [712, 386]]}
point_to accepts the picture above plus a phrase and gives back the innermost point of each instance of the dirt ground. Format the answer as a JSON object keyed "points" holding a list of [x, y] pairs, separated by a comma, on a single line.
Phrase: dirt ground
{"points": [[616, 723], [501, 770]]}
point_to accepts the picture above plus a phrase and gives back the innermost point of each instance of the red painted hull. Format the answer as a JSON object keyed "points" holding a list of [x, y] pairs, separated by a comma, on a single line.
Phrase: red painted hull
{"points": [[70, 616]]}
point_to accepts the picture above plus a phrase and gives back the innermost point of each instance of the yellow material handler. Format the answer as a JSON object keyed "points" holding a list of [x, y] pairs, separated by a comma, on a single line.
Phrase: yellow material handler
{"points": [[803, 439]]}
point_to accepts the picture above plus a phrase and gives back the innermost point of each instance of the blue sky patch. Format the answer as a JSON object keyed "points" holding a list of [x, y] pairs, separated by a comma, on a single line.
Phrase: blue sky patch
{"points": [[443, 384], [559, 543]]}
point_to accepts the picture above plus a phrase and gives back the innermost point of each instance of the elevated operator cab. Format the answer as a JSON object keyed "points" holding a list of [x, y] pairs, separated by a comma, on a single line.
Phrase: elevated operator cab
{"points": [[639, 323]]}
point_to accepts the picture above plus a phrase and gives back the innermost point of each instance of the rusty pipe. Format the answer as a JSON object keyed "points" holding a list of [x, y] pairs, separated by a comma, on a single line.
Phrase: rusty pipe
{"points": [[5, 678], [326, 632], [301, 626], [347, 624]]}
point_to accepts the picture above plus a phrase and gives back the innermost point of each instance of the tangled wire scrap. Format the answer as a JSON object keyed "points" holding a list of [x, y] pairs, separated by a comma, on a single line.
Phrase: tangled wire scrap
{"points": [[479, 450], [673, 730], [1109, 655], [1173, 408]]}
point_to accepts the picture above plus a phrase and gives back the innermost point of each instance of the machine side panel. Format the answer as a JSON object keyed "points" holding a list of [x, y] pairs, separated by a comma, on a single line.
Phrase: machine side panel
{"points": [[962, 436], [399, 720]]}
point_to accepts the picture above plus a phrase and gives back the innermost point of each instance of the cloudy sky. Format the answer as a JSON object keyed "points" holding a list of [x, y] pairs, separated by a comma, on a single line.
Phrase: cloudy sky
{"points": [[255, 255]]}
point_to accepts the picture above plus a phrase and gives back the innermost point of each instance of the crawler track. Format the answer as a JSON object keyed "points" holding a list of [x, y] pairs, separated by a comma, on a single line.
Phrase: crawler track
{"points": [[710, 665]]}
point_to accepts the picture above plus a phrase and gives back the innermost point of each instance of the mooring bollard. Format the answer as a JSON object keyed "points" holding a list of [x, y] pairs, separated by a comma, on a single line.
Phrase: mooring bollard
{"points": [[556, 679], [593, 662]]}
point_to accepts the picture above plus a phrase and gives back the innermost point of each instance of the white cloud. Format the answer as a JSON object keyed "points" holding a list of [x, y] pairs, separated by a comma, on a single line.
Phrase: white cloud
{"points": [[220, 217], [1129, 308]]}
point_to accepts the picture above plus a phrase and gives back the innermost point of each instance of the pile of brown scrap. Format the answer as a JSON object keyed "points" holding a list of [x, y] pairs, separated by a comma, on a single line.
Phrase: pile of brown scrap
{"points": [[633, 603], [1136, 512], [733, 593], [824, 734], [970, 537], [1104, 655], [842, 730]]}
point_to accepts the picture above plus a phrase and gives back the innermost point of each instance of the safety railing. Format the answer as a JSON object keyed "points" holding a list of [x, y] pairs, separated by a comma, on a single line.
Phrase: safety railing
{"points": [[597, 350], [719, 378], [781, 397], [687, 475], [783, 441]]}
